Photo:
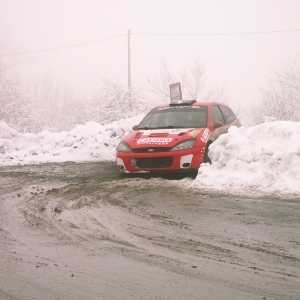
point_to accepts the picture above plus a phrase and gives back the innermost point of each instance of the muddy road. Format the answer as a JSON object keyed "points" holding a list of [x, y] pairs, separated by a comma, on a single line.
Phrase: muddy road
{"points": [[79, 231]]}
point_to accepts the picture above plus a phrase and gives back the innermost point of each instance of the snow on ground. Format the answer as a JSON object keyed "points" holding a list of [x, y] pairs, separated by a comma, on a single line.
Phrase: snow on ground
{"points": [[259, 160], [89, 142]]}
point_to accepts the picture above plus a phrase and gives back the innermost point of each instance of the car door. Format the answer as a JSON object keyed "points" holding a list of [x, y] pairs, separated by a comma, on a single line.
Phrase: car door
{"points": [[216, 115]]}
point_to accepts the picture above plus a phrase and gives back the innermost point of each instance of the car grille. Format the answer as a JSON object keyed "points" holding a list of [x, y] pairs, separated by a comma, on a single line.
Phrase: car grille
{"points": [[152, 162], [151, 150]]}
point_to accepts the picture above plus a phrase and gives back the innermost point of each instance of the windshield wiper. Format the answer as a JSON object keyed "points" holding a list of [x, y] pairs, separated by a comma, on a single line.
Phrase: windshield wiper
{"points": [[167, 127], [161, 127], [146, 128]]}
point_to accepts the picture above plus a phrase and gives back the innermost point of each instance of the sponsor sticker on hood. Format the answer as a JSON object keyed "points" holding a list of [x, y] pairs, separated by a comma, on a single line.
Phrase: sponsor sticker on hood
{"points": [[155, 141]]}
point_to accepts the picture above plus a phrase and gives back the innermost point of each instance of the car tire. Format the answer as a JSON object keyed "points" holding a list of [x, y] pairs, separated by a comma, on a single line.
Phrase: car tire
{"points": [[125, 175], [206, 158], [192, 174]]}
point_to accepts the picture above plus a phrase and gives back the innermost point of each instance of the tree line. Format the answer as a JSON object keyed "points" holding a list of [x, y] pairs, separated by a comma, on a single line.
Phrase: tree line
{"points": [[51, 106]]}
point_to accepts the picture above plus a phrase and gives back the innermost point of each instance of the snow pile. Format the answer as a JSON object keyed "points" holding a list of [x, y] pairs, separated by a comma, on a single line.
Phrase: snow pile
{"points": [[259, 160], [263, 159], [89, 142]]}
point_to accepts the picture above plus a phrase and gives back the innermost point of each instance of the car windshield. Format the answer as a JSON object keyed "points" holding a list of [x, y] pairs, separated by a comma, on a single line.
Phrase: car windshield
{"points": [[175, 117]]}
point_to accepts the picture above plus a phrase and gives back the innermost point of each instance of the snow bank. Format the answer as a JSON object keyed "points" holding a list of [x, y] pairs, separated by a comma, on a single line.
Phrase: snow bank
{"points": [[259, 160], [89, 142], [263, 159]]}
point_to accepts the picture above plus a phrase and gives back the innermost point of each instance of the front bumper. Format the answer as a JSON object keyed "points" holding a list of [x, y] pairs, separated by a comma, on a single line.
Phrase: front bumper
{"points": [[172, 161]]}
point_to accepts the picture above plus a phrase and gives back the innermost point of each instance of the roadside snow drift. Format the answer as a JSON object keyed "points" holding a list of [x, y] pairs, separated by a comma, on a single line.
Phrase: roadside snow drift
{"points": [[263, 159], [89, 142], [259, 160]]}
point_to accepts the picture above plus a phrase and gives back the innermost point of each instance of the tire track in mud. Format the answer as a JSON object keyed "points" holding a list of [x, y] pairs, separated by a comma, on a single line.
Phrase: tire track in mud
{"points": [[160, 222], [129, 208], [148, 220]]}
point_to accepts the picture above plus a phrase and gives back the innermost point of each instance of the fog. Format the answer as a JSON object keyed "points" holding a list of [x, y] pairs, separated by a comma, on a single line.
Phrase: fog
{"points": [[240, 42]]}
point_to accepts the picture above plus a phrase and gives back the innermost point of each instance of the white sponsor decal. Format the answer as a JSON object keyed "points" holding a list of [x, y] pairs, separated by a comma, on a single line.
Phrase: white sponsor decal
{"points": [[156, 141], [204, 136]]}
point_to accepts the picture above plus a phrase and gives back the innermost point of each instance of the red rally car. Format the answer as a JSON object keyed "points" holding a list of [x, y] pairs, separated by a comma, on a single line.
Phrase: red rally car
{"points": [[174, 137]]}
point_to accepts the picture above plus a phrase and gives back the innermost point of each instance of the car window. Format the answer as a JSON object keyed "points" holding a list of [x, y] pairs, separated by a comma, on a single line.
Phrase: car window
{"points": [[228, 114], [152, 121], [216, 115], [175, 117]]}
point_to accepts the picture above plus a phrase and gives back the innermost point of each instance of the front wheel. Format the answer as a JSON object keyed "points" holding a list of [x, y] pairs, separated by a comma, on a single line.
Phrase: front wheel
{"points": [[206, 158], [193, 174]]}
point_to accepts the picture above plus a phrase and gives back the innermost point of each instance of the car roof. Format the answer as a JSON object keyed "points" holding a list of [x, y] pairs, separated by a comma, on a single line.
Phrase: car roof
{"points": [[208, 104]]}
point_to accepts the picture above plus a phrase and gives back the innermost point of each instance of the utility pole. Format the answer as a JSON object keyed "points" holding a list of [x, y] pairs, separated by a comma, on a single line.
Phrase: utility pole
{"points": [[129, 66]]}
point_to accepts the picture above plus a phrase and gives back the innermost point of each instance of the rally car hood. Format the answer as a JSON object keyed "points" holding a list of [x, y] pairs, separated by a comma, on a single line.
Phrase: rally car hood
{"points": [[160, 137]]}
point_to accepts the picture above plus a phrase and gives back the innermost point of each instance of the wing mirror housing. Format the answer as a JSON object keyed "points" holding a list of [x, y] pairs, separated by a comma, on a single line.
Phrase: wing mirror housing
{"points": [[134, 127]]}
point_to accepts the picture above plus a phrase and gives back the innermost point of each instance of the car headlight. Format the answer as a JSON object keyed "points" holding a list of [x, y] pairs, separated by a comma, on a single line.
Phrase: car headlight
{"points": [[123, 147], [188, 144]]}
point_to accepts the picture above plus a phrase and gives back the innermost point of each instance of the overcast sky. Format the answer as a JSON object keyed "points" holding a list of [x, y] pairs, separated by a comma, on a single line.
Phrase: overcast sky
{"points": [[240, 62]]}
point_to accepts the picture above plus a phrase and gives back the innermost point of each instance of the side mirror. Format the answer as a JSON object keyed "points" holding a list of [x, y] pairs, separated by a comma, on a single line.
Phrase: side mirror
{"points": [[217, 124], [135, 127]]}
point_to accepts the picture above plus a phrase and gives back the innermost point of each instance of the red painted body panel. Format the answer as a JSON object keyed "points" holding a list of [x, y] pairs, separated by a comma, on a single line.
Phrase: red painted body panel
{"points": [[151, 148]]}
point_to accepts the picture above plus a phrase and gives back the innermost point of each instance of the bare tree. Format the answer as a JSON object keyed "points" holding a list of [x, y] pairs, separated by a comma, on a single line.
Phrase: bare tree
{"points": [[11, 99], [192, 81], [29, 107], [114, 102], [33, 108], [281, 99], [57, 107], [160, 84], [15, 102]]}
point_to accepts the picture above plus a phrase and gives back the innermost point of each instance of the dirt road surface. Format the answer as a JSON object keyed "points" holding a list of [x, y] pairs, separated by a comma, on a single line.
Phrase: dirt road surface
{"points": [[78, 231]]}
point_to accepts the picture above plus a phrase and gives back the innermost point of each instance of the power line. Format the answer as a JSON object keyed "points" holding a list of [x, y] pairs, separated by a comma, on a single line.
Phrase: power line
{"points": [[63, 47], [155, 34], [219, 34]]}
